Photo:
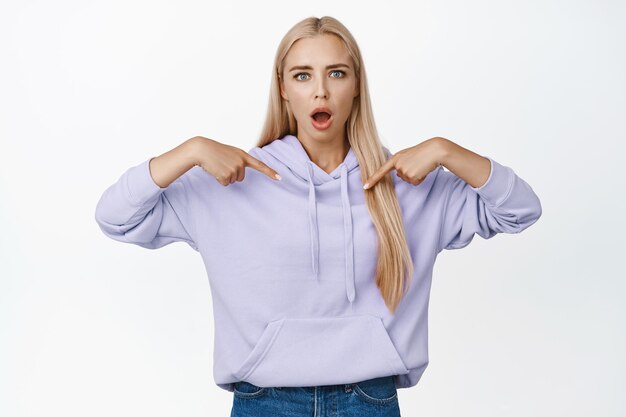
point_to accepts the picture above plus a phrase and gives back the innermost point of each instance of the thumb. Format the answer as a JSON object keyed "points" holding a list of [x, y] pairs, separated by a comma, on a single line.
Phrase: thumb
{"points": [[252, 162]]}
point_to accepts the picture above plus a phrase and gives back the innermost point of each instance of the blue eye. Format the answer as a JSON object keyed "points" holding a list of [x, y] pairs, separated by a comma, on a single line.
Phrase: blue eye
{"points": [[304, 73], [301, 73]]}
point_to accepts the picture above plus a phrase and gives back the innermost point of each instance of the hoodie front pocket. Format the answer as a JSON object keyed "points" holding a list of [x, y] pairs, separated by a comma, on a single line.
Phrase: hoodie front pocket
{"points": [[321, 351]]}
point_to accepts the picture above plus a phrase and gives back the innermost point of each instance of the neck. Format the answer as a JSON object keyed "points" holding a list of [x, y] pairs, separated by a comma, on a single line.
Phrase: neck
{"points": [[326, 154]]}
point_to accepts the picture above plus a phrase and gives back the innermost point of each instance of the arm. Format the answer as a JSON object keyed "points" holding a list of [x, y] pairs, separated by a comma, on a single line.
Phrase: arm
{"points": [[481, 197], [149, 204], [471, 167]]}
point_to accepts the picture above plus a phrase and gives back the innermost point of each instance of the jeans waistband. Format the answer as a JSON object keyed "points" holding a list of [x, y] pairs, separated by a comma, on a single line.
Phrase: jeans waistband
{"points": [[383, 380]]}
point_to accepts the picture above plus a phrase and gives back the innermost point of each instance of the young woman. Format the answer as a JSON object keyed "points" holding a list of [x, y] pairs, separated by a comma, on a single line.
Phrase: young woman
{"points": [[320, 275]]}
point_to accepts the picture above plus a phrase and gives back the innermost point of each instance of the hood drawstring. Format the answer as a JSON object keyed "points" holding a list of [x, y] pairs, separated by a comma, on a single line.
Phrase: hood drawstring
{"points": [[315, 243], [348, 245], [289, 151]]}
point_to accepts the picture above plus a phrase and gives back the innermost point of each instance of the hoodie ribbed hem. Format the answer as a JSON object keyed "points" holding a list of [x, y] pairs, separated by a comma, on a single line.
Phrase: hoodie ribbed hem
{"points": [[498, 185]]}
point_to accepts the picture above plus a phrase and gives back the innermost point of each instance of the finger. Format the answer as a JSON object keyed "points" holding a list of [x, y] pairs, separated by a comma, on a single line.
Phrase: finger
{"points": [[407, 179], [252, 162], [221, 180], [241, 173], [378, 175]]}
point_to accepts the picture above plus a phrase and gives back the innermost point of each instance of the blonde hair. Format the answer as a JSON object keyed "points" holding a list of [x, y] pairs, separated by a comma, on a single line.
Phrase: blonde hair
{"points": [[394, 263]]}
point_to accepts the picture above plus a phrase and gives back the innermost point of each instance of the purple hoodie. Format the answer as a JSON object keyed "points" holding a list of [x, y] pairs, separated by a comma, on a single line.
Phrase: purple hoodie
{"points": [[291, 263]]}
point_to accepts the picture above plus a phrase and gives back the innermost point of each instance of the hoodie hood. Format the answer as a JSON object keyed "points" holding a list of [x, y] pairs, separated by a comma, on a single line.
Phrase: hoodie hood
{"points": [[290, 152]]}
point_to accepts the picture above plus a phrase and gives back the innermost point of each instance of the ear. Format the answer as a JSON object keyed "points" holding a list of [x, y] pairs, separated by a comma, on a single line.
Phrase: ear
{"points": [[282, 89]]}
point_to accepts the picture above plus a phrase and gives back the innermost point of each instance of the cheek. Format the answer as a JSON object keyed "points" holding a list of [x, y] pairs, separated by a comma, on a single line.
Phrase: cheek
{"points": [[295, 100], [298, 107], [346, 101], [296, 94], [347, 90]]}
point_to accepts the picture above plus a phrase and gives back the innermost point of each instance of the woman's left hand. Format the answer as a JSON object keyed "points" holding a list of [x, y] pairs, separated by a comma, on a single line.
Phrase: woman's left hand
{"points": [[414, 163]]}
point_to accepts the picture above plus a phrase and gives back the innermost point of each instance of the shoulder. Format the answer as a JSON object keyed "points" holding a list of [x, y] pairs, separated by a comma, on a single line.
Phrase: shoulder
{"points": [[260, 154]]}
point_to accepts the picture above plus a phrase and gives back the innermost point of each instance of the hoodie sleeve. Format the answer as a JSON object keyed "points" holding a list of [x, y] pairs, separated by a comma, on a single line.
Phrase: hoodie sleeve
{"points": [[136, 210], [503, 204]]}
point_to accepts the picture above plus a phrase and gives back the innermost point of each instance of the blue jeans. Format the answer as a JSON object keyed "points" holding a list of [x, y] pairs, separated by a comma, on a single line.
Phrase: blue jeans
{"points": [[373, 397]]}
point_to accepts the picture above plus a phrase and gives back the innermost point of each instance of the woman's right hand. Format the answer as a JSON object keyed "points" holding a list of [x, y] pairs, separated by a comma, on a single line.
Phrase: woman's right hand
{"points": [[226, 163]]}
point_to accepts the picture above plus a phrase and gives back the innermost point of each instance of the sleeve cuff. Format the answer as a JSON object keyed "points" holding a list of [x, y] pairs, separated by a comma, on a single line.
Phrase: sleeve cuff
{"points": [[498, 185], [140, 185]]}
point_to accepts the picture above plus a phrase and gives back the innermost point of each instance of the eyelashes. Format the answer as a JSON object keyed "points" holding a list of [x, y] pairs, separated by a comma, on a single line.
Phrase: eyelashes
{"points": [[343, 74]]}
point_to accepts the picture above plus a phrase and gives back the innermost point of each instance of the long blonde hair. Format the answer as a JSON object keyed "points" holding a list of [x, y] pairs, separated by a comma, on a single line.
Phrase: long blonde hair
{"points": [[394, 266]]}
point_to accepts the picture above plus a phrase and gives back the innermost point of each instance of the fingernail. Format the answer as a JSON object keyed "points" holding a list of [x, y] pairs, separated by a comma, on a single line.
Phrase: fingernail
{"points": [[365, 186], [278, 177]]}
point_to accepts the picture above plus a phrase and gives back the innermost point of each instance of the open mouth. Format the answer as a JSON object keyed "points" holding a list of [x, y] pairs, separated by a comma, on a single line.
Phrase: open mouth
{"points": [[321, 117], [321, 120]]}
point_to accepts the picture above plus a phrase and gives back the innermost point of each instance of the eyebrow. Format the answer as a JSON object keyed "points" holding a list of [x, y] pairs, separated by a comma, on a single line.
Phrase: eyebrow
{"points": [[308, 67]]}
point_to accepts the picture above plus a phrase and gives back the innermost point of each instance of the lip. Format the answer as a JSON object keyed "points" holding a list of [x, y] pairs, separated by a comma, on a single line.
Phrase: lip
{"points": [[320, 109]]}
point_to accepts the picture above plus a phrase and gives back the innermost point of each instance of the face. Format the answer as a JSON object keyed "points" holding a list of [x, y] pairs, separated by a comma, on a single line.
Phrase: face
{"points": [[319, 72]]}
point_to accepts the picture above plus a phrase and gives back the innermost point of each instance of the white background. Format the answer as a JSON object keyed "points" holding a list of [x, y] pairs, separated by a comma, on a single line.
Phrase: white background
{"points": [[520, 325]]}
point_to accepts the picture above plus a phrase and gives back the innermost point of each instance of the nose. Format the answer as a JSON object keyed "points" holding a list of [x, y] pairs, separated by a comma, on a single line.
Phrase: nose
{"points": [[321, 90]]}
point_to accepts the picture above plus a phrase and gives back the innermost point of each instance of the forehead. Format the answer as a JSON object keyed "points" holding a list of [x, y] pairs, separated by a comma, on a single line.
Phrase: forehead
{"points": [[321, 50]]}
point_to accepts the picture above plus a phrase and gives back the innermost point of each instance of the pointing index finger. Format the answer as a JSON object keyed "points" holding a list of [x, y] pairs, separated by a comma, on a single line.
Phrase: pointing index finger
{"points": [[252, 162], [378, 175]]}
